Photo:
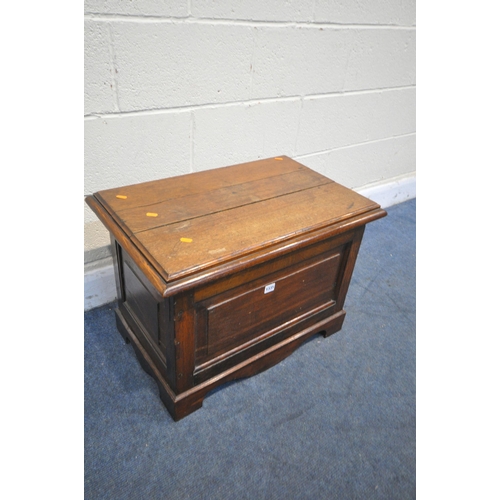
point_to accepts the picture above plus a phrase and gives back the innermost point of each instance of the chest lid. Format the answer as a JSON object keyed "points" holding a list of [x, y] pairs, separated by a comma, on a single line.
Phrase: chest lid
{"points": [[185, 224]]}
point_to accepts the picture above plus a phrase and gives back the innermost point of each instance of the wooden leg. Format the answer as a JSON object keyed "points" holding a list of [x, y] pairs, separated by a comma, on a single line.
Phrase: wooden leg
{"points": [[335, 326]]}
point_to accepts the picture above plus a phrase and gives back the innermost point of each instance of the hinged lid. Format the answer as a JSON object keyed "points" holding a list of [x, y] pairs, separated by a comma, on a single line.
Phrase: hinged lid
{"points": [[183, 225]]}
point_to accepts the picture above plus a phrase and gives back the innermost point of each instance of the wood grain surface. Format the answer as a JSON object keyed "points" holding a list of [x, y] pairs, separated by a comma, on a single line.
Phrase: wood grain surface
{"points": [[189, 223], [223, 273]]}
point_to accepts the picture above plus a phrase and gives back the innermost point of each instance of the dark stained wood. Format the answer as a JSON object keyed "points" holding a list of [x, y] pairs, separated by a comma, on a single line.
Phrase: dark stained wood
{"points": [[184, 345], [148, 193], [116, 252], [168, 327], [245, 262], [350, 260], [291, 260], [144, 338], [222, 236], [223, 273], [175, 210], [208, 368], [246, 311], [126, 244], [141, 303]]}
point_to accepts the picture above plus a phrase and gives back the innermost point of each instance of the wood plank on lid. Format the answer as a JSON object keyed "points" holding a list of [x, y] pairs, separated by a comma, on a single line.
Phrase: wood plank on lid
{"points": [[200, 204], [222, 236], [148, 193]]}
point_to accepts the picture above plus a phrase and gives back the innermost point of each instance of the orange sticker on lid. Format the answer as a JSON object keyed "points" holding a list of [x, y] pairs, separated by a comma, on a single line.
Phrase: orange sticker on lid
{"points": [[278, 158]]}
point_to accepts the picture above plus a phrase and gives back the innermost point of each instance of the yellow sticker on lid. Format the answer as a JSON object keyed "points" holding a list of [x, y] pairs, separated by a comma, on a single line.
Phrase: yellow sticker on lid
{"points": [[121, 196], [152, 214], [186, 240]]}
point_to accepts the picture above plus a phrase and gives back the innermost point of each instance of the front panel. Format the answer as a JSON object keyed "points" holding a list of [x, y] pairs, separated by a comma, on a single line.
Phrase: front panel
{"points": [[263, 306], [267, 309]]}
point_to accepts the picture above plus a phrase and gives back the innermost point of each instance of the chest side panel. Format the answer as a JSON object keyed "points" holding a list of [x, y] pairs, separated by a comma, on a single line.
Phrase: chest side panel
{"points": [[147, 314], [141, 303]]}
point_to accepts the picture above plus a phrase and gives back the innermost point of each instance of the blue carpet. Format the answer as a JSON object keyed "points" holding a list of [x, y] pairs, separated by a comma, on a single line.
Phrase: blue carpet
{"points": [[335, 420]]}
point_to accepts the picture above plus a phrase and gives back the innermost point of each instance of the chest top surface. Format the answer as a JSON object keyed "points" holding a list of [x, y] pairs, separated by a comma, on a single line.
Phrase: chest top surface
{"points": [[191, 222]]}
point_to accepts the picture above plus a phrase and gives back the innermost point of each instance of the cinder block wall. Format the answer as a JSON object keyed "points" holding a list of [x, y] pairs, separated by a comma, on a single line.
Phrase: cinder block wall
{"points": [[178, 86]]}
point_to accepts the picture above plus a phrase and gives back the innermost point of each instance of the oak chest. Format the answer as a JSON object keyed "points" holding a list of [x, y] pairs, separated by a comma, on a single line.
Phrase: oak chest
{"points": [[223, 273]]}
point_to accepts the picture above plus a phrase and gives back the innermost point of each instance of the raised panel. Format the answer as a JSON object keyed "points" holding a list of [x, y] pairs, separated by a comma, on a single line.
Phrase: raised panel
{"points": [[140, 302], [251, 312]]}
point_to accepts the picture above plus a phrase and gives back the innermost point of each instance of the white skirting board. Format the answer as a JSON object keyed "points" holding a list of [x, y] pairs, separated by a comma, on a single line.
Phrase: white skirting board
{"points": [[391, 192], [99, 284], [99, 287]]}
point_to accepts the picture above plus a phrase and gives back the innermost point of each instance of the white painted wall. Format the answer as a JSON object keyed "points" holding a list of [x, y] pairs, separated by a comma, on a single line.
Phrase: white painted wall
{"points": [[173, 87]]}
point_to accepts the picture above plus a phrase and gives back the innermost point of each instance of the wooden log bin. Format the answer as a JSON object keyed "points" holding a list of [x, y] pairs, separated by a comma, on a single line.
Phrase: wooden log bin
{"points": [[223, 273]]}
